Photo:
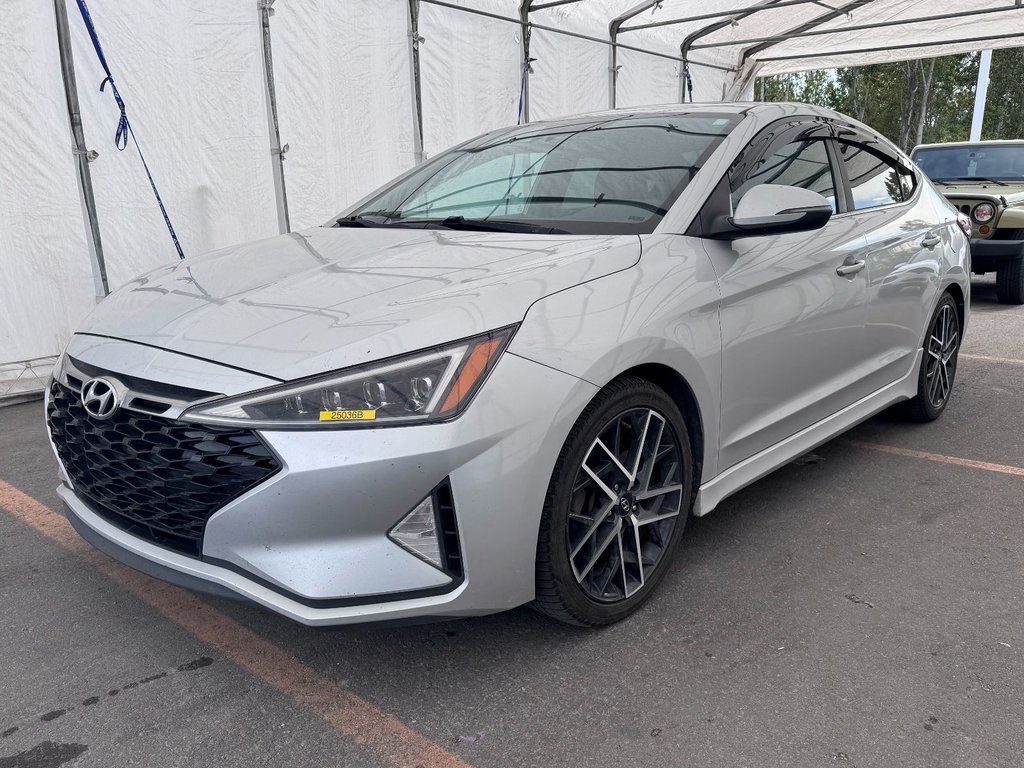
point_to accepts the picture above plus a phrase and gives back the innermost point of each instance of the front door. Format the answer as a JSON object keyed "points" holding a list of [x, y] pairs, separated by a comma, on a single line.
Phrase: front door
{"points": [[792, 325]]}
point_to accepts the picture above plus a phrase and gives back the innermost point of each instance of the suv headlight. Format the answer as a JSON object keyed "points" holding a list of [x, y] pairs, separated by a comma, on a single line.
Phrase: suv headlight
{"points": [[428, 386], [983, 212]]}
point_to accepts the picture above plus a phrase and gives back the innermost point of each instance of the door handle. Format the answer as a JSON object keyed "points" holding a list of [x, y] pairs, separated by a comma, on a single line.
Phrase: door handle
{"points": [[851, 268], [931, 241]]}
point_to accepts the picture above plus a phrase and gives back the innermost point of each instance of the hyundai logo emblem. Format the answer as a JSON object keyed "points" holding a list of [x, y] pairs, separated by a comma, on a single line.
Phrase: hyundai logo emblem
{"points": [[99, 398]]}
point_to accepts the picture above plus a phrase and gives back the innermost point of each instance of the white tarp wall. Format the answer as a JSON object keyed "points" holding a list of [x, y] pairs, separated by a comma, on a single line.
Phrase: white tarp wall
{"points": [[46, 281], [191, 73], [344, 90]]}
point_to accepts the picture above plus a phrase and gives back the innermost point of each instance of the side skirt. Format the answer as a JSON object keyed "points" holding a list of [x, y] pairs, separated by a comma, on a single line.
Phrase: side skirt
{"points": [[757, 466]]}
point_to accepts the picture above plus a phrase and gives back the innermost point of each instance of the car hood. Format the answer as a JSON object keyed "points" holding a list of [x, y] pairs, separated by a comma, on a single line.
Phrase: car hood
{"points": [[1010, 191], [327, 298]]}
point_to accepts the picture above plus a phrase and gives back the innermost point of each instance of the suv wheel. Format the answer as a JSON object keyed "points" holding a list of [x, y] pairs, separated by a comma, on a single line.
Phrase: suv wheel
{"points": [[1010, 282]]}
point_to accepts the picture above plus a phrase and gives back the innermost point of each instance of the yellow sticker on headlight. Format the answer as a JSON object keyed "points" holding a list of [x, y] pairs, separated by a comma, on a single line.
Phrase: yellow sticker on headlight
{"points": [[348, 415]]}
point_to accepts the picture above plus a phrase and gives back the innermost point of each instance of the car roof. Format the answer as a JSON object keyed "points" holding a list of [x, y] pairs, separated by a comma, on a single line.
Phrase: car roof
{"points": [[773, 109]]}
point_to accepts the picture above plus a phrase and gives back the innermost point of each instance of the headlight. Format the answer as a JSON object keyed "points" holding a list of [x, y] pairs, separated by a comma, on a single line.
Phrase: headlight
{"points": [[427, 386], [983, 212]]}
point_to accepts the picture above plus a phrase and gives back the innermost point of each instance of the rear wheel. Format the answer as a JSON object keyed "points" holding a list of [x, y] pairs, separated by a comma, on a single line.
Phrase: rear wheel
{"points": [[616, 505], [938, 368]]}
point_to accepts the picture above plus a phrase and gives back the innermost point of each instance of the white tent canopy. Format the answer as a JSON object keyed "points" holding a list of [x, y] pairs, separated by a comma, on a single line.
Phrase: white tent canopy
{"points": [[363, 89]]}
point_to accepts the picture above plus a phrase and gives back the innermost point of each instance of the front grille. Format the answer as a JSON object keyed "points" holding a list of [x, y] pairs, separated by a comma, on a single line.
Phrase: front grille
{"points": [[158, 479]]}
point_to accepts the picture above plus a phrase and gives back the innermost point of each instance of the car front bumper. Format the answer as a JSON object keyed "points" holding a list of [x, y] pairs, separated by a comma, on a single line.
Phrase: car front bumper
{"points": [[311, 542], [987, 255]]}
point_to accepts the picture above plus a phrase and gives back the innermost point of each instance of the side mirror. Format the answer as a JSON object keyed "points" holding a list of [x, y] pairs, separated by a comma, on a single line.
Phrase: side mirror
{"points": [[773, 209]]}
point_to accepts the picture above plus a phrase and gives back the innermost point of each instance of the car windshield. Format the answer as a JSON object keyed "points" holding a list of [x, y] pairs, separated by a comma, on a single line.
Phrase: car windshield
{"points": [[981, 162], [616, 175]]}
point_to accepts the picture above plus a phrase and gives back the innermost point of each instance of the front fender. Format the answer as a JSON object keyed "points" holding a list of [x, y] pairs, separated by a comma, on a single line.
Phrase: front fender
{"points": [[663, 310]]}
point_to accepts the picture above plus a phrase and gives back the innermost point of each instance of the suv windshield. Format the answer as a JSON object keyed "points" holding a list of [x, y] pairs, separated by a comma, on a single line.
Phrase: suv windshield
{"points": [[981, 162], [615, 175]]}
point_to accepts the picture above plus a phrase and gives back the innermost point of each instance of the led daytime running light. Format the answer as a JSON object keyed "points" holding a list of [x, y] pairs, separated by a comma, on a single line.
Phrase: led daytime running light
{"points": [[431, 385]]}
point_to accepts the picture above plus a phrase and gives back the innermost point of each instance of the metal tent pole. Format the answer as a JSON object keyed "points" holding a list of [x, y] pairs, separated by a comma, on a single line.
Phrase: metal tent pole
{"points": [[83, 155], [736, 13], [980, 94], [524, 21], [900, 47], [613, 51], [569, 33], [807, 30], [276, 150], [736, 16], [417, 87]]}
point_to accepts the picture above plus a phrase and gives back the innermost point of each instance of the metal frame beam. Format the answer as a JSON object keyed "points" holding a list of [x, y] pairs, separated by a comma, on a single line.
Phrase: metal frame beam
{"points": [[808, 31], [415, 39], [690, 39], [524, 74], [734, 12], [83, 155], [276, 150], [613, 51], [899, 47], [566, 32], [806, 26]]}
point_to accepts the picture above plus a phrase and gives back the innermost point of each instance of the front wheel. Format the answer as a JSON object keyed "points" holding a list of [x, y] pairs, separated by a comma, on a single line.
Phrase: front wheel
{"points": [[938, 368], [1010, 282], [616, 505]]}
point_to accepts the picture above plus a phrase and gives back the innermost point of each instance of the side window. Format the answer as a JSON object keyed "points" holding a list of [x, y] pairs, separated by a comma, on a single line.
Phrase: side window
{"points": [[798, 164], [908, 183], [874, 181]]}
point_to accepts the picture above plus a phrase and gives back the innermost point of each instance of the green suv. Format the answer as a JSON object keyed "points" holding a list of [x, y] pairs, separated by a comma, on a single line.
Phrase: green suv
{"points": [[985, 180]]}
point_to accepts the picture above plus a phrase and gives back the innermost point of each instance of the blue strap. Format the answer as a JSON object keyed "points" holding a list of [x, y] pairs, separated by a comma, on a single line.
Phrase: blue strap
{"points": [[522, 91], [124, 128]]}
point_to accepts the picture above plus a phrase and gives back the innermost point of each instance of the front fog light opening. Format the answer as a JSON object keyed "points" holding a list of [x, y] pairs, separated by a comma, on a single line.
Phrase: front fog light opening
{"points": [[430, 532]]}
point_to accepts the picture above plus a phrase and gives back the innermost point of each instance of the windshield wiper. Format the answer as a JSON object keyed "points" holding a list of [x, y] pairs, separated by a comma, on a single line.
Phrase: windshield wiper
{"points": [[975, 178], [486, 225], [363, 220]]}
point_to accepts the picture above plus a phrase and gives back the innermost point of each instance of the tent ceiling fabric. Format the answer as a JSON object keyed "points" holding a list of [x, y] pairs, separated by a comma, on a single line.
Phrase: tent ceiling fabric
{"points": [[192, 73], [834, 32]]}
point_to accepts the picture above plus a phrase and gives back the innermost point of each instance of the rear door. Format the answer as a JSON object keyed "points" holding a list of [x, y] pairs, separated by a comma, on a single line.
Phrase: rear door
{"points": [[792, 327], [905, 242]]}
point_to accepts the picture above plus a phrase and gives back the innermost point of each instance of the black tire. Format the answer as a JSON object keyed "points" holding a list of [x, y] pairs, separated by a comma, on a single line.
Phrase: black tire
{"points": [[1010, 282], [925, 406], [619, 407]]}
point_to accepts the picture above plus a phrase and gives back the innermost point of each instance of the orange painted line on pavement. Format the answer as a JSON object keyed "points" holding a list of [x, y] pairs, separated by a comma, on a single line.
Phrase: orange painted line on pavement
{"points": [[987, 359], [1004, 469], [356, 718]]}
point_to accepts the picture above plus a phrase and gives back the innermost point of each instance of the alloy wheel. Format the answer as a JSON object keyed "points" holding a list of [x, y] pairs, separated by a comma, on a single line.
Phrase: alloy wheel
{"points": [[625, 501], [943, 343]]}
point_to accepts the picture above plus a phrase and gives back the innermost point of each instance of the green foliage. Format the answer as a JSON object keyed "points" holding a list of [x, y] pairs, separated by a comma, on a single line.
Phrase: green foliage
{"points": [[1004, 107], [910, 102]]}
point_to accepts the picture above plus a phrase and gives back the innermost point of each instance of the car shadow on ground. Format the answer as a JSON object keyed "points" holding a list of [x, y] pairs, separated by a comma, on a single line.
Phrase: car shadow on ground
{"points": [[983, 296]]}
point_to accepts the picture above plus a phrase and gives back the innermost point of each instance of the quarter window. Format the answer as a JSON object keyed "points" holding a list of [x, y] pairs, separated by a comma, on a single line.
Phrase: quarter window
{"points": [[874, 181], [802, 164]]}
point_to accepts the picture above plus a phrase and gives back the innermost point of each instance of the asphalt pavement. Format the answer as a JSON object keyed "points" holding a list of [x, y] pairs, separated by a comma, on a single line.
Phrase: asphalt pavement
{"points": [[860, 607]]}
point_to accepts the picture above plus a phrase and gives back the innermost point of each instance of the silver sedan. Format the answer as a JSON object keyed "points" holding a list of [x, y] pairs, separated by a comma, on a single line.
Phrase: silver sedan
{"points": [[512, 374]]}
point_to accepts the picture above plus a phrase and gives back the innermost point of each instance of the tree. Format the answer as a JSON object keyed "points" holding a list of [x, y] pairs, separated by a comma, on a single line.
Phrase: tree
{"points": [[1004, 108], [915, 102]]}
